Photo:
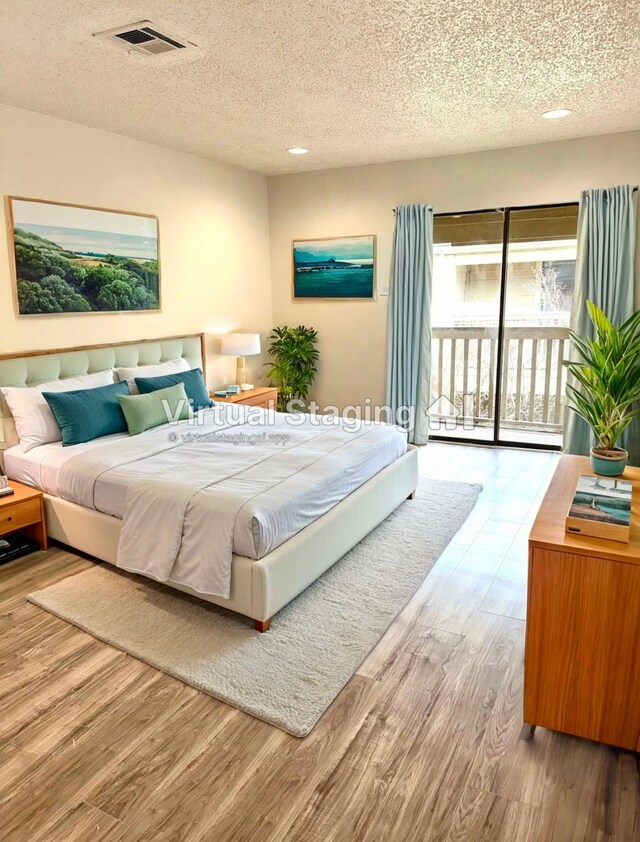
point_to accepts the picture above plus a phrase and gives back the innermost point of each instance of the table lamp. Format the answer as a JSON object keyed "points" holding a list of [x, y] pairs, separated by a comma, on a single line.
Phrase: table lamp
{"points": [[241, 345]]}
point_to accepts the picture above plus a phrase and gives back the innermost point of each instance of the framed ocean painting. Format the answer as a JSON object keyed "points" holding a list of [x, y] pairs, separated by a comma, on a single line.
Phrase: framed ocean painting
{"points": [[340, 267], [76, 259]]}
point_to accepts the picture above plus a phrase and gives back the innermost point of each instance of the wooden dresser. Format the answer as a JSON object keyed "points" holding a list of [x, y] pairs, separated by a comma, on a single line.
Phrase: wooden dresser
{"points": [[582, 654]]}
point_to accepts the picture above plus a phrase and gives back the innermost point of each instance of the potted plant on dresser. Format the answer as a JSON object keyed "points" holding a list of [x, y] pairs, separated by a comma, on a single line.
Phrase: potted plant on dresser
{"points": [[607, 386], [293, 368]]}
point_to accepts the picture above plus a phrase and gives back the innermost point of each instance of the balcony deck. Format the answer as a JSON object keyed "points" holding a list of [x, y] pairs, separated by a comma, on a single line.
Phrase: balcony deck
{"points": [[532, 389]]}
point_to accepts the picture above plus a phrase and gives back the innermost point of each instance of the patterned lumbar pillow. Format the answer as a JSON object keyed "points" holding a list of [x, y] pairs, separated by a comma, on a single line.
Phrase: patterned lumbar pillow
{"points": [[193, 381], [88, 414]]}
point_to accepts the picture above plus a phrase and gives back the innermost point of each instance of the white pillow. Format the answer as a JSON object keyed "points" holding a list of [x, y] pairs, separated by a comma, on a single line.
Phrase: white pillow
{"points": [[34, 420], [171, 367]]}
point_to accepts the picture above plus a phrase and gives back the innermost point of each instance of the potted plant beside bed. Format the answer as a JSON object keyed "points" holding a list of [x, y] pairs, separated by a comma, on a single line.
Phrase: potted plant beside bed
{"points": [[607, 386], [293, 368]]}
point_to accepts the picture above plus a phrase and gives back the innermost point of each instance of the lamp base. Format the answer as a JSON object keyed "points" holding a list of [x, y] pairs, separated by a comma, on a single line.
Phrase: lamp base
{"points": [[240, 369], [246, 387]]}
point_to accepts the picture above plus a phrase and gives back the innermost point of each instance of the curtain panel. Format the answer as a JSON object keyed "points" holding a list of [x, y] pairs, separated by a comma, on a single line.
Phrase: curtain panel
{"points": [[409, 351], [604, 275]]}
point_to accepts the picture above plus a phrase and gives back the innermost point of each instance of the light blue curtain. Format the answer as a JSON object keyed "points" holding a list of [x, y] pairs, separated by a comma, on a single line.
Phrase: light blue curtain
{"points": [[409, 354], [604, 275]]}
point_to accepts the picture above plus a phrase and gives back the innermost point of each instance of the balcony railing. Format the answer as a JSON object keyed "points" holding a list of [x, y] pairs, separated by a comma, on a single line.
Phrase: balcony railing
{"points": [[463, 376]]}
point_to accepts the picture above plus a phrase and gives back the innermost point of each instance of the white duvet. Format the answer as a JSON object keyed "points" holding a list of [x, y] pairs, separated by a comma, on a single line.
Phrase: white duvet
{"points": [[243, 480]]}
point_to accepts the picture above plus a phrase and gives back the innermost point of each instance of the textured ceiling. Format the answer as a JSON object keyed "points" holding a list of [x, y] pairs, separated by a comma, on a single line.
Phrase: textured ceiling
{"points": [[356, 81]]}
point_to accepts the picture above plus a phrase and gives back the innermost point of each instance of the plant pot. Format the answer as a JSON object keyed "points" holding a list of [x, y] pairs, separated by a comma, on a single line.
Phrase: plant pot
{"points": [[608, 463]]}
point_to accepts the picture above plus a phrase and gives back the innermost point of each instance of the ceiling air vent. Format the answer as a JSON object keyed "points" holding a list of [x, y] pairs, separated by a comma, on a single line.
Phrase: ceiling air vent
{"points": [[143, 38]]}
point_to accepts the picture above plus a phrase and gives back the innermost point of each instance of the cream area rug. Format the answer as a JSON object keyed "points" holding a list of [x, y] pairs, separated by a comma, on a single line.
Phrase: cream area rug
{"points": [[290, 675]]}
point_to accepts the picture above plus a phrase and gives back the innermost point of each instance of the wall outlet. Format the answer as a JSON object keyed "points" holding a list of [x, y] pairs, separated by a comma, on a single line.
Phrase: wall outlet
{"points": [[225, 380], [384, 289]]}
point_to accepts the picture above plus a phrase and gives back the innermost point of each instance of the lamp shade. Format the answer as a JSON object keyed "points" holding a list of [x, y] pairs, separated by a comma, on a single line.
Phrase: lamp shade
{"points": [[241, 344]]}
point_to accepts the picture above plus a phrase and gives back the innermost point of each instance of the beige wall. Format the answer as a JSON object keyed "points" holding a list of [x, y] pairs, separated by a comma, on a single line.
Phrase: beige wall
{"points": [[359, 200], [214, 232], [214, 237]]}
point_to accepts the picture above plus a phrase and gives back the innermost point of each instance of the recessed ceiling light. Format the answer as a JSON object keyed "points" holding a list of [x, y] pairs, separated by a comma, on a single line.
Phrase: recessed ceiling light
{"points": [[556, 114], [297, 150]]}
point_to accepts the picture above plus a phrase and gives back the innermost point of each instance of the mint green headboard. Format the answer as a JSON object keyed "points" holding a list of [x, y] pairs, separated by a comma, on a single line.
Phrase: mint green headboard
{"points": [[41, 367]]}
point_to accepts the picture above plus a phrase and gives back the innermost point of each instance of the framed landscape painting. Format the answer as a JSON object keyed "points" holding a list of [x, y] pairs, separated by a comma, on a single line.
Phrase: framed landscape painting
{"points": [[75, 259], [341, 267]]}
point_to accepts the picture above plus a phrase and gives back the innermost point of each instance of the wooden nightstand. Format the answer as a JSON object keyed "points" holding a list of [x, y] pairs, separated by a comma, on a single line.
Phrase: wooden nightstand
{"points": [[264, 396], [24, 511]]}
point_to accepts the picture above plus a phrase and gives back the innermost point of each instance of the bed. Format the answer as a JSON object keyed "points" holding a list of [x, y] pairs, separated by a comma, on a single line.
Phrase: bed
{"points": [[343, 484]]}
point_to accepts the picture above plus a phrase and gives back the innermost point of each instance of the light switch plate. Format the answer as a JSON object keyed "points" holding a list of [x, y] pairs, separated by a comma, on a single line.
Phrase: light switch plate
{"points": [[384, 290]]}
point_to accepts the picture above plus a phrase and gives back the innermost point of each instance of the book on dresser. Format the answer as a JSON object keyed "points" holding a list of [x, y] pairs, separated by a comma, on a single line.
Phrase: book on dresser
{"points": [[601, 508]]}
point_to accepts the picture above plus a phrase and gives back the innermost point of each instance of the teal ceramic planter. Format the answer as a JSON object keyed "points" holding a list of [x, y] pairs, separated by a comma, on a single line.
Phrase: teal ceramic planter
{"points": [[611, 465]]}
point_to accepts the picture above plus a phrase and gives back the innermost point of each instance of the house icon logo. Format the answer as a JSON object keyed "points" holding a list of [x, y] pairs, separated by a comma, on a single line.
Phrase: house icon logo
{"points": [[445, 415]]}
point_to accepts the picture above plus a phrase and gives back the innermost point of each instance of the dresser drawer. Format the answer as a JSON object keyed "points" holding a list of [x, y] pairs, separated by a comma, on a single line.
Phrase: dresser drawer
{"points": [[22, 514]]}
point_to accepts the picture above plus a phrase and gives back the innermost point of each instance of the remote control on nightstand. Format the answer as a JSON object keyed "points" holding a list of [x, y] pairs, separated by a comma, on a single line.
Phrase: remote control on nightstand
{"points": [[5, 488]]}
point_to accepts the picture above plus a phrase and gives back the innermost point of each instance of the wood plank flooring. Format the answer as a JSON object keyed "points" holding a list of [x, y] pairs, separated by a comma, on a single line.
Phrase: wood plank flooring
{"points": [[424, 743]]}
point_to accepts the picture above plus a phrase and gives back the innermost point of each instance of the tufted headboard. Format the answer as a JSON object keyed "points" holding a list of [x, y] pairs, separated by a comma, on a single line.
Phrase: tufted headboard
{"points": [[32, 368]]}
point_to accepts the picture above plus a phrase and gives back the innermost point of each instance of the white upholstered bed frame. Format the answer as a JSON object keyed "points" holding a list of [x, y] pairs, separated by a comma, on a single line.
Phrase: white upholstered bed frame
{"points": [[258, 588]]}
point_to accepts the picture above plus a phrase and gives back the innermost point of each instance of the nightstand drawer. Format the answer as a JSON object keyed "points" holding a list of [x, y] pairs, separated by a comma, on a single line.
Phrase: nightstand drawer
{"points": [[265, 401], [263, 396], [22, 514]]}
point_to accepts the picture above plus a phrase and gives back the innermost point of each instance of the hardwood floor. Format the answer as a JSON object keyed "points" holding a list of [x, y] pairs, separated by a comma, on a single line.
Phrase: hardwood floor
{"points": [[424, 743]]}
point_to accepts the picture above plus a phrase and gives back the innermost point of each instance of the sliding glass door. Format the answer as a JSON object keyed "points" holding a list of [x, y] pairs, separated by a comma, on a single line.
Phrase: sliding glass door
{"points": [[502, 287], [465, 315], [540, 276]]}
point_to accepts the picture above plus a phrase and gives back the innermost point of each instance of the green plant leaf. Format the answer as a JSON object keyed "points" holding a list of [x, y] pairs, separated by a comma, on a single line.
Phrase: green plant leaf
{"points": [[293, 367], [607, 380]]}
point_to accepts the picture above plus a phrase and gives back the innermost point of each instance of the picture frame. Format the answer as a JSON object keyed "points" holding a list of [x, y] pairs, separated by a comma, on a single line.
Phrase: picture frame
{"points": [[78, 259], [334, 268]]}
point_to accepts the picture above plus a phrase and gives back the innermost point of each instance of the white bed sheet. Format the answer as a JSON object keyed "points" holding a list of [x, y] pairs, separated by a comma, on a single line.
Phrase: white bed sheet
{"points": [[263, 525], [40, 467]]}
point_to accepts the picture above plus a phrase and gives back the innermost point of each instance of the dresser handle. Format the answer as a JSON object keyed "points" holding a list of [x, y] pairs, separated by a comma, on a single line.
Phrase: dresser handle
{"points": [[9, 519]]}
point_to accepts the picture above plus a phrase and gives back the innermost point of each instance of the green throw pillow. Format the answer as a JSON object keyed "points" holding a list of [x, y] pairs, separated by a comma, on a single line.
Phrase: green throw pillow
{"points": [[142, 412]]}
